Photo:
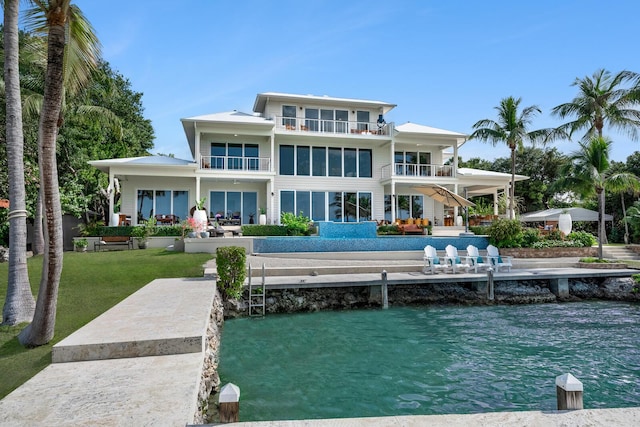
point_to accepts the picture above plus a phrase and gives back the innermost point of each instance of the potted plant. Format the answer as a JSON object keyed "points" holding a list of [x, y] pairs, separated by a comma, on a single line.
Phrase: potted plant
{"points": [[200, 215], [81, 244], [262, 219], [142, 232]]}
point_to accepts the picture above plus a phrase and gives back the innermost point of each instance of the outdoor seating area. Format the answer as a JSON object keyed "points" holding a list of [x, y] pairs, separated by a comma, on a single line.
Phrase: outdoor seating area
{"points": [[167, 219], [451, 261], [230, 218]]}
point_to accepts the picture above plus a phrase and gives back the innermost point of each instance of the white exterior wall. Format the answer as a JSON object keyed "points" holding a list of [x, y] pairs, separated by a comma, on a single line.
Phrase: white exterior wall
{"points": [[129, 190]]}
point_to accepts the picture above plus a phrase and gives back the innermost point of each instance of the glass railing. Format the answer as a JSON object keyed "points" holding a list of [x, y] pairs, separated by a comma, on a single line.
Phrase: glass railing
{"points": [[258, 164], [331, 126], [413, 170]]}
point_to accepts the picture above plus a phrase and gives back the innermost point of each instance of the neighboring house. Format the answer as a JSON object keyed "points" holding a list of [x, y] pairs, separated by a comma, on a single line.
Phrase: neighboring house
{"points": [[331, 159]]}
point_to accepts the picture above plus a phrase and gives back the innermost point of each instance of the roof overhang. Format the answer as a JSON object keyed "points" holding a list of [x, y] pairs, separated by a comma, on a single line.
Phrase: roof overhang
{"points": [[262, 99]]}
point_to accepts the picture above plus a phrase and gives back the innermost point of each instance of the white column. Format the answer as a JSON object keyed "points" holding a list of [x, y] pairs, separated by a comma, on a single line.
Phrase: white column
{"points": [[111, 191], [197, 189], [495, 202]]}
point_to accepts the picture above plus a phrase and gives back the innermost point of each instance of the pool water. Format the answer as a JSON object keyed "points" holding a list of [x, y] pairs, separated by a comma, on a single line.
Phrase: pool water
{"points": [[431, 360]]}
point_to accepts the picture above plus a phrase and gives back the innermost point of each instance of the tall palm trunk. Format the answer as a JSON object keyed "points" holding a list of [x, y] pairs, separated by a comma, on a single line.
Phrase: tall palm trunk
{"points": [[41, 330], [19, 304], [37, 240], [602, 235], [512, 190], [624, 216]]}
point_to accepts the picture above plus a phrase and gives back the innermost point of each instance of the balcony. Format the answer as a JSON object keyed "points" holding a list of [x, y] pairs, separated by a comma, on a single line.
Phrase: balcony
{"points": [[336, 127], [413, 170], [239, 164]]}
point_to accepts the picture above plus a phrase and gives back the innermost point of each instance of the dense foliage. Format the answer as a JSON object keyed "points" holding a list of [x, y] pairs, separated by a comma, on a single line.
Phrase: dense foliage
{"points": [[231, 268], [105, 120]]}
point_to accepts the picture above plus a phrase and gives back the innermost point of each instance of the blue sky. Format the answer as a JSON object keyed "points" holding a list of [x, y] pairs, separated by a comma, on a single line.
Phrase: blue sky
{"points": [[445, 64]]}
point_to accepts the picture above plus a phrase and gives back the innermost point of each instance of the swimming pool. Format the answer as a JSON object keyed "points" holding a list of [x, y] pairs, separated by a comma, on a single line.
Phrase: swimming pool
{"points": [[431, 360]]}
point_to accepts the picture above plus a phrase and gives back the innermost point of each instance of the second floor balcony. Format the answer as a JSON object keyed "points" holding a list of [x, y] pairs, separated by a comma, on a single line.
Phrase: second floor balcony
{"points": [[339, 127], [415, 170], [239, 164]]}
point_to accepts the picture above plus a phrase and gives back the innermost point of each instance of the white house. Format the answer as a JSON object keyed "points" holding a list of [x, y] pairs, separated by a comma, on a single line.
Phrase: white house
{"points": [[333, 159]]}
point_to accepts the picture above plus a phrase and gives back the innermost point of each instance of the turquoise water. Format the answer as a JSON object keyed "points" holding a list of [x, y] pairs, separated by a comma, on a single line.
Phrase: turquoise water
{"points": [[431, 360]]}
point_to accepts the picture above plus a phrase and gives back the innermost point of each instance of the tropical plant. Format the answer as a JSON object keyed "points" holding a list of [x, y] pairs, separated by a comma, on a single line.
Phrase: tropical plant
{"points": [[56, 18], [145, 230], [19, 304], [588, 173], [602, 100], [506, 233], [299, 225], [231, 268], [81, 243], [511, 128], [200, 203]]}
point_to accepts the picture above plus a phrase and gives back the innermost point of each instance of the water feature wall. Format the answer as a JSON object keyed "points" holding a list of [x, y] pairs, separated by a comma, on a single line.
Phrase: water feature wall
{"points": [[366, 244]]}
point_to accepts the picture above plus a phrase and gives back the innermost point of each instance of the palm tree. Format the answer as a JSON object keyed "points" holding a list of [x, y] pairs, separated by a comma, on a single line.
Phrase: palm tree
{"points": [[588, 172], [19, 305], [72, 61], [602, 100], [510, 128]]}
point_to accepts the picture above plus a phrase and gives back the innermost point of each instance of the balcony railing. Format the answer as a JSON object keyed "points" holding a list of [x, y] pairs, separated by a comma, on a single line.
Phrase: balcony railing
{"points": [[248, 164], [331, 126], [413, 170]]}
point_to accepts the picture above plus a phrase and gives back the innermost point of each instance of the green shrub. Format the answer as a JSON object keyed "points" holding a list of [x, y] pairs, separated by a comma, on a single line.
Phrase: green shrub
{"points": [[506, 233], [298, 225], [556, 244], [168, 230], [529, 237], [264, 230], [480, 230], [230, 263], [554, 234], [388, 229], [586, 239]]}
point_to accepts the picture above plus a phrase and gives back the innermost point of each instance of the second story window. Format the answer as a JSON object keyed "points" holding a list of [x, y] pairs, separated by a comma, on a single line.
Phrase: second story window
{"points": [[289, 116], [363, 120]]}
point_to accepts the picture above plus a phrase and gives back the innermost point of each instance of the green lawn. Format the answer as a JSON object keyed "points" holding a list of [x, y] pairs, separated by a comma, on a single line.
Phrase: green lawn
{"points": [[91, 283]]}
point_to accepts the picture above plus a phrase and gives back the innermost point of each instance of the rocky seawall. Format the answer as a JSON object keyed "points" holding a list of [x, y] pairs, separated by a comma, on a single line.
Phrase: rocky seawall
{"points": [[461, 293]]}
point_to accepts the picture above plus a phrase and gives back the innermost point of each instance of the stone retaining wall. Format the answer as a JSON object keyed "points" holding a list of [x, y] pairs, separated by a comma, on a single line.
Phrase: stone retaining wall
{"points": [[549, 252], [463, 293], [209, 379]]}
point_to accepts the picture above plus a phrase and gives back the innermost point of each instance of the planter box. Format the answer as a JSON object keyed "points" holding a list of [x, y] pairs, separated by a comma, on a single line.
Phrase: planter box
{"points": [[602, 265], [549, 252]]}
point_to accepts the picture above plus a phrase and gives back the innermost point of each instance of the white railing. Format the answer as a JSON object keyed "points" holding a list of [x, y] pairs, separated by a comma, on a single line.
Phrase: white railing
{"points": [[298, 124], [250, 164], [413, 170]]}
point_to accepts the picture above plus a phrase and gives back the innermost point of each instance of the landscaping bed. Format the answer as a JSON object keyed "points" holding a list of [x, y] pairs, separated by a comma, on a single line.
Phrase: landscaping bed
{"points": [[549, 252]]}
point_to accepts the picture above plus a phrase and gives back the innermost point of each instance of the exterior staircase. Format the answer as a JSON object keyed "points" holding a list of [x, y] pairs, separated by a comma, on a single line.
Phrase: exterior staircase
{"points": [[619, 252]]}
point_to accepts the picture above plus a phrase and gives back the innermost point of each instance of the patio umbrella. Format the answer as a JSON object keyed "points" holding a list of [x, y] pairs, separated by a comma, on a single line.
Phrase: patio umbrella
{"points": [[442, 195], [577, 214]]}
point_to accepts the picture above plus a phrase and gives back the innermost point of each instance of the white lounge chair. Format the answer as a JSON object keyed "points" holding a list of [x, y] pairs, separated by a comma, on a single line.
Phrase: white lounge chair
{"points": [[497, 261], [475, 260], [454, 260], [431, 260]]}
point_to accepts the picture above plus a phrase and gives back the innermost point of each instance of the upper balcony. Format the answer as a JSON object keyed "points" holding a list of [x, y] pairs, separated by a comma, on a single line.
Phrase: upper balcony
{"points": [[414, 170], [332, 127], [235, 164]]}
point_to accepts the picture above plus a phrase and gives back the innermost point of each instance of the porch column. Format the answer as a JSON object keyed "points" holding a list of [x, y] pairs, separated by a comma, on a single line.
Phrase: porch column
{"points": [[393, 201], [111, 191], [455, 208], [495, 201], [196, 148], [271, 198], [197, 189], [272, 143]]}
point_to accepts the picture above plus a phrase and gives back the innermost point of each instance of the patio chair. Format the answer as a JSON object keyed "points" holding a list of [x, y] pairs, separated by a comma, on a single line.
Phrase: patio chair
{"points": [[454, 260], [431, 260], [497, 261], [475, 260]]}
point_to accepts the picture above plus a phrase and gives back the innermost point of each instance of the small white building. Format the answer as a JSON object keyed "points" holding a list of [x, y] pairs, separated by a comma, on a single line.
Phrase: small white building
{"points": [[333, 159]]}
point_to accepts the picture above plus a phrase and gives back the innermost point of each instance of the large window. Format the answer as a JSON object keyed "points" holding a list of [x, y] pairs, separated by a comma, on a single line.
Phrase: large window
{"points": [[412, 163], [342, 117], [340, 206], [235, 155], [327, 120], [408, 206], [363, 120], [319, 161], [305, 161], [286, 160], [234, 205], [288, 116], [335, 161], [311, 114], [162, 202]]}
